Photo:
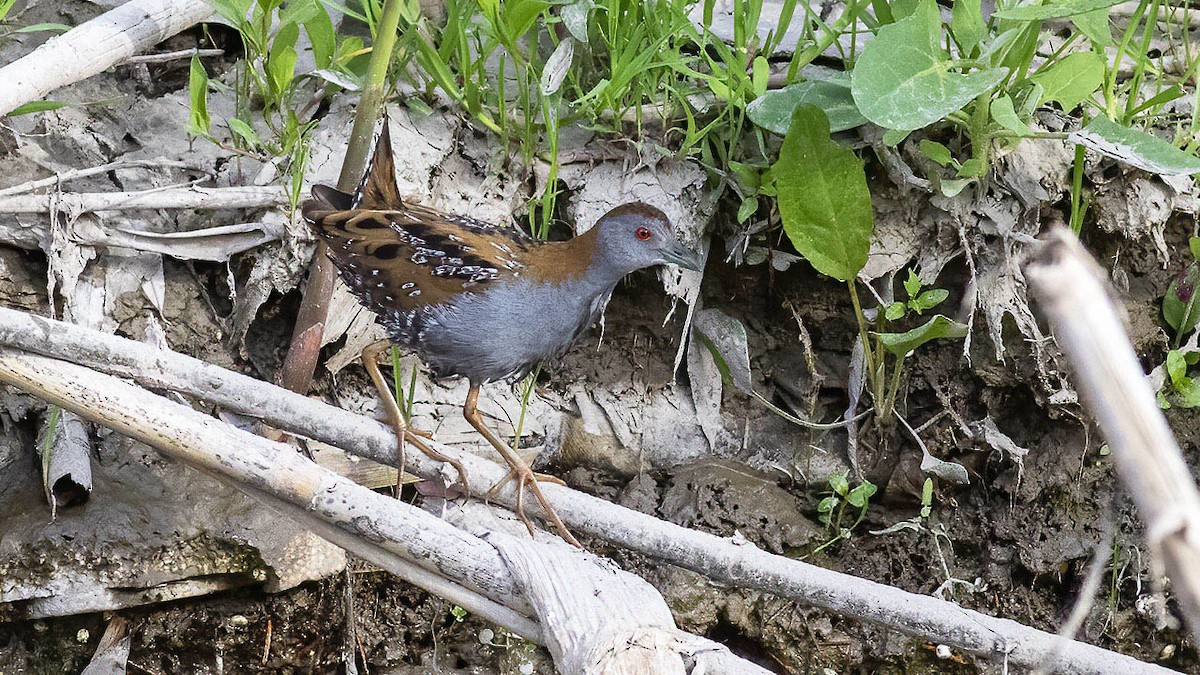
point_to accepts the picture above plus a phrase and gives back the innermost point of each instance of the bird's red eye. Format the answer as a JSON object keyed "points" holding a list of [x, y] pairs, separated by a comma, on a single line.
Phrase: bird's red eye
{"points": [[643, 233]]}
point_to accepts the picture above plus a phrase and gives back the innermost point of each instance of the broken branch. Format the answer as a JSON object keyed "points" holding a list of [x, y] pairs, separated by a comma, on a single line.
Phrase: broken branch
{"points": [[95, 46], [1071, 289]]}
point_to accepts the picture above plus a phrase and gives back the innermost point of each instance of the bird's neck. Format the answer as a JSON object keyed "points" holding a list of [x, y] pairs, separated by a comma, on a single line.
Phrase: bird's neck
{"points": [[577, 262]]}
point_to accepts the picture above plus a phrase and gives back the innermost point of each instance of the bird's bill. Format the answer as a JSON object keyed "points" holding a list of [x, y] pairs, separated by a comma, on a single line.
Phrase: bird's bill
{"points": [[678, 254]]}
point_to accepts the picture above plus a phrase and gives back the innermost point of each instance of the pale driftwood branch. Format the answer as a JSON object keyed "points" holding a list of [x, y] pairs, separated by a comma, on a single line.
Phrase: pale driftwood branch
{"points": [[1072, 290], [326, 502], [243, 197], [67, 176], [95, 46], [732, 562], [433, 554]]}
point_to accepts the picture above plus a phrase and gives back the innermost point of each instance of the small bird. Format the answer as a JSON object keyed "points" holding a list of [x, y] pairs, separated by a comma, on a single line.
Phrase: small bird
{"points": [[476, 300]]}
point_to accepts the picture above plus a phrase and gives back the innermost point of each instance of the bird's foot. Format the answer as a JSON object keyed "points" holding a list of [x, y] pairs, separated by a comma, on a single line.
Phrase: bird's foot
{"points": [[525, 476]]}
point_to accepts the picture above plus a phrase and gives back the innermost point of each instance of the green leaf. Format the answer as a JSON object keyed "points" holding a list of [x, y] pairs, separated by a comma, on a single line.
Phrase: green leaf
{"points": [[1194, 246], [198, 121], [1136, 148], [929, 299], [281, 61], [1006, 116], [972, 168], [950, 187], [1053, 10], [894, 311], [966, 24], [233, 11], [902, 344], [1180, 303], [1095, 26], [1160, 99], [35, 107], [773, 110], [575, 19], [894, 137], [245, 132], [935, 151], [44, 27], [838, 483], [748, 208], [903, 80], [861, 494], [912, 285], [827, 504], [760, 75], [1072, 79], [823, 198], [1176, 366], [320, 33]]}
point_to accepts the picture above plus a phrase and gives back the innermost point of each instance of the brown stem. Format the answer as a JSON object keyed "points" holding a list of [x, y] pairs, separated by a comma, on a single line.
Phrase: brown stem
{"points": [[301, 361]]}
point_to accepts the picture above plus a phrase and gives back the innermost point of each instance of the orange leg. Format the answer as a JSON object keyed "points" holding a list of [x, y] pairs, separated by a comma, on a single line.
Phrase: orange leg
{"points": [[404, 435], [520, 470]]}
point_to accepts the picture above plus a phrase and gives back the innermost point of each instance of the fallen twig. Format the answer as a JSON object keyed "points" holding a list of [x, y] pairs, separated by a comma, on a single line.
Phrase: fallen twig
{"points": [[733, 562], [1071, 289], [94, 46], [242, 197], [67, 176], [172, 56]]}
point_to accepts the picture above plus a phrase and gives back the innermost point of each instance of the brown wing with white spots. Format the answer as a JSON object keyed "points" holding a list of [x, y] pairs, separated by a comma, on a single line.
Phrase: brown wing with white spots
{"points": [[415, 256]]}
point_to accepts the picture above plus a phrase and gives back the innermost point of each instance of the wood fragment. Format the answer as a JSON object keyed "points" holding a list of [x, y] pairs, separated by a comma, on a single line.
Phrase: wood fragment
{"points": [[1072, 289], [95, 46]]}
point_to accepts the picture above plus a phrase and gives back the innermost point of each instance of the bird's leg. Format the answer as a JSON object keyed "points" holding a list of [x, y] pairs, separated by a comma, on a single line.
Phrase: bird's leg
{"points": [[404, 435], [520, 471]]}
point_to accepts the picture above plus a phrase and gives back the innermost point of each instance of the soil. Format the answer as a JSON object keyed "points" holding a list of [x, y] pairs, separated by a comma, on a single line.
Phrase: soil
{"points": [[1014, 542]]}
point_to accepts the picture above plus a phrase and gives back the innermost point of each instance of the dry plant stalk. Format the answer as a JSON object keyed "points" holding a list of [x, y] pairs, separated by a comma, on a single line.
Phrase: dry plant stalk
{"points": [[1072, 290]]}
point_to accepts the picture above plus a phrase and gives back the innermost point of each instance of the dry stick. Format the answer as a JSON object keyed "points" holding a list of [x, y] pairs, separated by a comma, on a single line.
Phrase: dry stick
{"points": [[95, 46], [731, 562], [65, 176], [243, 197], [172, 56], [586, 621], [301, 361], [385, 531], [1071, 289]]}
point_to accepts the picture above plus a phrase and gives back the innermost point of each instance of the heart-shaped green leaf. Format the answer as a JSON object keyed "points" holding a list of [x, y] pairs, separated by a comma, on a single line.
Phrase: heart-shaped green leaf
{"points": [[773, 110], [903, 80]]}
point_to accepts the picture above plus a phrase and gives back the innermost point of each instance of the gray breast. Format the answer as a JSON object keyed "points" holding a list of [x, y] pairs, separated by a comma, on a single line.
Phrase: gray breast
{"points": [[503, 332]]}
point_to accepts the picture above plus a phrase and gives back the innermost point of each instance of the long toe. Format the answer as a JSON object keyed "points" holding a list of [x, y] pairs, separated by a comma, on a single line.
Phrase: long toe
{"points": [[528, 478]]}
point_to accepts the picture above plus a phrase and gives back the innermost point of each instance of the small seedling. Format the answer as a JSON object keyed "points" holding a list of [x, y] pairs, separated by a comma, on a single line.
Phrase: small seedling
{"points": [[832, 509]]}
